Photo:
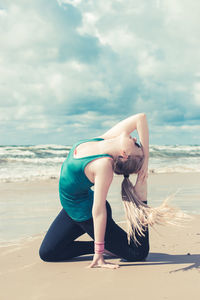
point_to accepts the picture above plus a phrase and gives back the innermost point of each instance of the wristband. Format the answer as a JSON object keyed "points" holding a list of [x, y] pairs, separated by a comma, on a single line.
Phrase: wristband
{"points": [[99, 247]]}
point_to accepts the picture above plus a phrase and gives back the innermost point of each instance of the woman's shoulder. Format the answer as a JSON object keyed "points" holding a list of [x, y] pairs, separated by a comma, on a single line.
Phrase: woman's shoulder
{"points": [[105, 164], [103, 168]]}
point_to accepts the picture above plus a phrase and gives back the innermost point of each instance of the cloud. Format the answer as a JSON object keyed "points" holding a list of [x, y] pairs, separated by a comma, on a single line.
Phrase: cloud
{"points": [[196, 93], [68, 65]]}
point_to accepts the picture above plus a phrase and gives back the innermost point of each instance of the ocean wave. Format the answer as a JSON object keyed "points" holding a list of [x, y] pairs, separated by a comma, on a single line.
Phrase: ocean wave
{"points": [[16, 152], [50, 146], [33, 156], [26, 178], [43, 161], [55, 152], [29, 175], [174, 151]]}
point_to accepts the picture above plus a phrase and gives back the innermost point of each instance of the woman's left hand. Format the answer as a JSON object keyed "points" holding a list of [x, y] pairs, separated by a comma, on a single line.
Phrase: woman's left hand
{"points": [[98, 261]]}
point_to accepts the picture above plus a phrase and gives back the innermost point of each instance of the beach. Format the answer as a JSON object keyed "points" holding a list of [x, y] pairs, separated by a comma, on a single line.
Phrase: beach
{"points": [[171, 270], [123, 78]]}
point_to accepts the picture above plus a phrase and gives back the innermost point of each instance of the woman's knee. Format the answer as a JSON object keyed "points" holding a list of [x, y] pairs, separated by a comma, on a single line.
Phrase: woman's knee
{"points": [[138, 255], [45, 254], [145, 253]]}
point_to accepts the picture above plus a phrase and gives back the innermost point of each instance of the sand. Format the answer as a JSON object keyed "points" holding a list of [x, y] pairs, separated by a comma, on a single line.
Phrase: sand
{"points": [[171, 270]]}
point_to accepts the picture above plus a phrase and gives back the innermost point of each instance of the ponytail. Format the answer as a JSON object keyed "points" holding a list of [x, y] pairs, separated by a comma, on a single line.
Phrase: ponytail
{"points": [[139, 215]]}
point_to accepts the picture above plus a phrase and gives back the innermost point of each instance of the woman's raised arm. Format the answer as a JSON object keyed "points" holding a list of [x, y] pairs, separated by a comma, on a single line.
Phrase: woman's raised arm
{"points": [[127, 125], [141, 188]]}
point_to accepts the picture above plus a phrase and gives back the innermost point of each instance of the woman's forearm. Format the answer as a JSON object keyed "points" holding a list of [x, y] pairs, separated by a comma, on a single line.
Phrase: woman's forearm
{"points": [[143, 132], [141, 182], [99, 219], [141, 191]]}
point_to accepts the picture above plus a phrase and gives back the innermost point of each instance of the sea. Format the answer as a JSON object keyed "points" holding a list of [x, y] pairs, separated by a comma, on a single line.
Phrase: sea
{"points": [[27, 216], [25, 163]]}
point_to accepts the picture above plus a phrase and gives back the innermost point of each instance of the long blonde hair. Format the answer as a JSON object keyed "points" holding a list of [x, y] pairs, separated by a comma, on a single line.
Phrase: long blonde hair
{"points": [[138, 214]]}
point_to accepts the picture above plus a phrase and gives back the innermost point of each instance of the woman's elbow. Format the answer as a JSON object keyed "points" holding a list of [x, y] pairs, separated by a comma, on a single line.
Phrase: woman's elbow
{"points": [[98, 211], [142, 115]]}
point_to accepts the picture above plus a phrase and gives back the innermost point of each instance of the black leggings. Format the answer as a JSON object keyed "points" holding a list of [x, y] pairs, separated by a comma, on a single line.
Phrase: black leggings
{"points": [[59, 243]]}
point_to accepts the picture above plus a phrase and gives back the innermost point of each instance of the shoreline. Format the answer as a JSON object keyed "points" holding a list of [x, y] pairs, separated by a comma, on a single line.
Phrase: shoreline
{"points": [[56, 178]]}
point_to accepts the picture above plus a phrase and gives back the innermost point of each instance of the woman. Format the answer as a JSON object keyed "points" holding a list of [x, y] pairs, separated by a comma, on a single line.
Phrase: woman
{"points": [[93, 162]]}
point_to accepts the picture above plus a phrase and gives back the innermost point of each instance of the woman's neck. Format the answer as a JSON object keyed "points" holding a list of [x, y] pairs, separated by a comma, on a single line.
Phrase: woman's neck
{"points": [[111, 146]]}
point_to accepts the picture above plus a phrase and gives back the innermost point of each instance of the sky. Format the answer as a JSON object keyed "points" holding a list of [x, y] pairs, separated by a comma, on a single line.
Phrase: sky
{"points": [[71, 69]]}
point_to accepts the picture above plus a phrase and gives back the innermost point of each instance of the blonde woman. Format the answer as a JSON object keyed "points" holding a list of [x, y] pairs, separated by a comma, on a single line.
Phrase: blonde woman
{"points": [[93, 162]]}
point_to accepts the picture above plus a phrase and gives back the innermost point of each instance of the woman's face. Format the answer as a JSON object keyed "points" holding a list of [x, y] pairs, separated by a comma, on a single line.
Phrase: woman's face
{"points": [[128, 145]]}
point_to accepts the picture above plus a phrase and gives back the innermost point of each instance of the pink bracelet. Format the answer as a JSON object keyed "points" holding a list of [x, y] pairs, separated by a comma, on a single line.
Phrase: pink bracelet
{"points": [[99, 247]]}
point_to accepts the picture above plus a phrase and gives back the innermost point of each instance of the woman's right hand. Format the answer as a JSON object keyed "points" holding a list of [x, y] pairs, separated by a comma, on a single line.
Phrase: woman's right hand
{"points": [[99, 262]]}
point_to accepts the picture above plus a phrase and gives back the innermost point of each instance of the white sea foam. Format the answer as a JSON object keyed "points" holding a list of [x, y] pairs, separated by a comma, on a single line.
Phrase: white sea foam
{"points": [[15, 152], [37, 160], [49, 146], [175, 169]]}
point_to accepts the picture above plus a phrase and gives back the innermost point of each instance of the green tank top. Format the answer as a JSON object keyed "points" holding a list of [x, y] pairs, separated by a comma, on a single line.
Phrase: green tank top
{"points": [[75, 192]]}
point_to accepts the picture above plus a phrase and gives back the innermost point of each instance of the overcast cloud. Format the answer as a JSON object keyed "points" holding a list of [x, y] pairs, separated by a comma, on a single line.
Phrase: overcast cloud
{"points": [[71, 69]]}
